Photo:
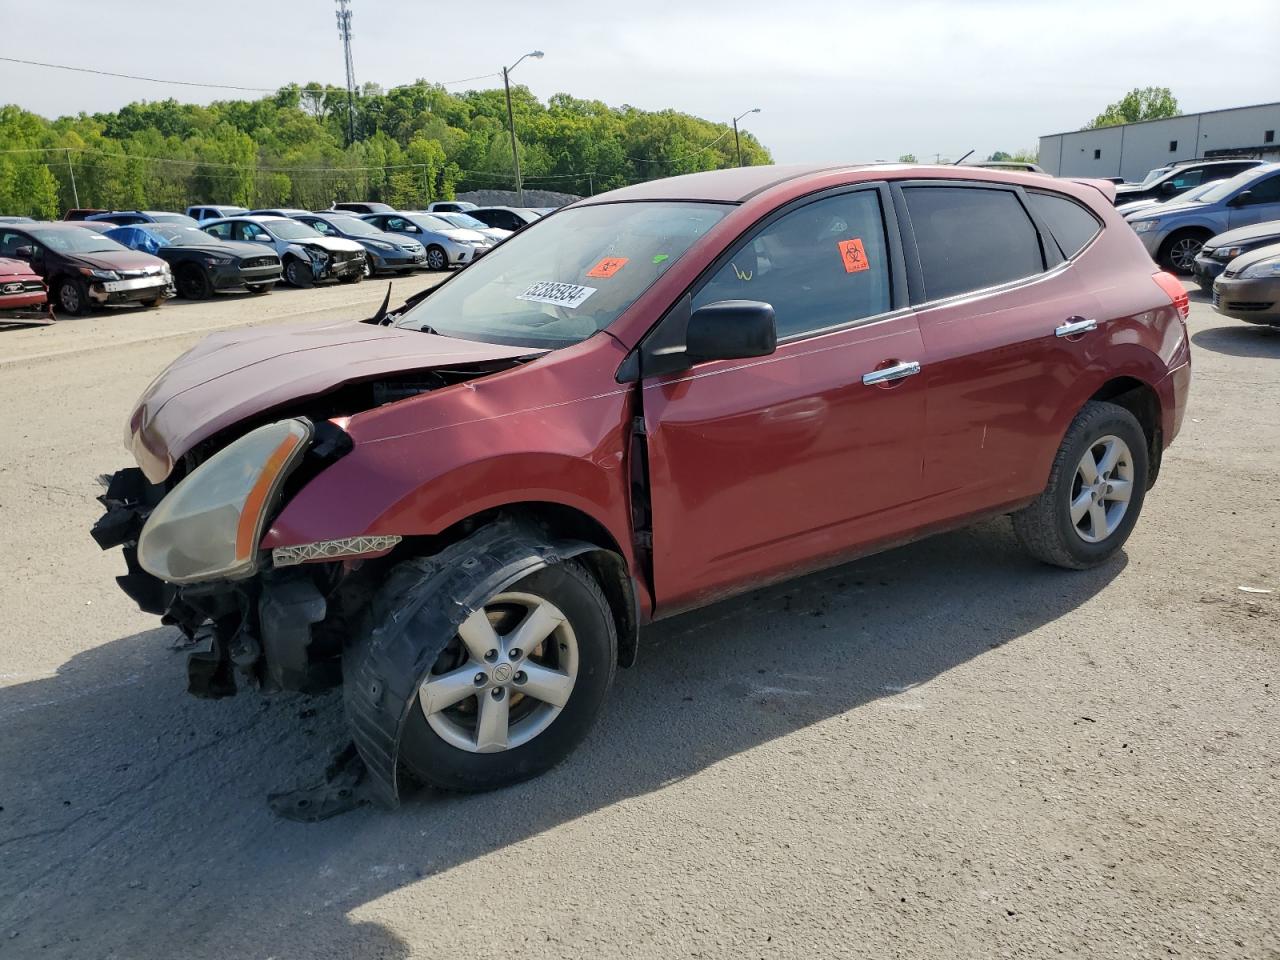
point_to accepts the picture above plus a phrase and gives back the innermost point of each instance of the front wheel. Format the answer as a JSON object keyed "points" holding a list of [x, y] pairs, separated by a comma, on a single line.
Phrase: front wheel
{"points": [[297, 273], [193, 283], [72, 296], [1095, 492], [518, 687], [437, 259], [1179, 252]]}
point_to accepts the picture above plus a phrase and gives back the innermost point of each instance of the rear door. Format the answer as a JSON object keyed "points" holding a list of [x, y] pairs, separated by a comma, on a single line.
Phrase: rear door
{"points": [[760, 468], [1262, 203], [1003, 318]]}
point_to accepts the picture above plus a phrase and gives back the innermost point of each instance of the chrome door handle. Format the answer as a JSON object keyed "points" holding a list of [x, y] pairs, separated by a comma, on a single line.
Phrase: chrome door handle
{"points": [[1076, 325], [897, 372]]}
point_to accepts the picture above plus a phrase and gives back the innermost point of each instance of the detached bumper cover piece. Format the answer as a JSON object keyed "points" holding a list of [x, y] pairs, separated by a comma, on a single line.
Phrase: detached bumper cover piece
{"points": [[414, 616]]}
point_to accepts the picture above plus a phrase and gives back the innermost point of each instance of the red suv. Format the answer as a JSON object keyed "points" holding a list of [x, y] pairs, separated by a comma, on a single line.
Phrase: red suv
{"points": [[463, 510]]}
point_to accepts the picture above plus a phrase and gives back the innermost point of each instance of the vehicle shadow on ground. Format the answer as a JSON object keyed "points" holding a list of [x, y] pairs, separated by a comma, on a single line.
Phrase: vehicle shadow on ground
{"points": [[1240, 340], [134, 818]]}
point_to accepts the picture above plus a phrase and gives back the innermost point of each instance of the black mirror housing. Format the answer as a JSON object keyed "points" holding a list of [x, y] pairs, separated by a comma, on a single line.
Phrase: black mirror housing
{"points": [[1168, 187], [1240, 199], [731, 330], [25, 252]]}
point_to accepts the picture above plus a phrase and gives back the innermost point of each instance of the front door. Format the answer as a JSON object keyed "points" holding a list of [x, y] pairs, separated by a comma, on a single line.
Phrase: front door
{"points": [[1262, 204], [763, 468]]}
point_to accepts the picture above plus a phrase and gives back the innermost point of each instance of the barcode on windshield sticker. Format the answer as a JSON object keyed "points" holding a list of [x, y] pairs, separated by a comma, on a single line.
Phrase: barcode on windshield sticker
{"points": [[560, 294]]}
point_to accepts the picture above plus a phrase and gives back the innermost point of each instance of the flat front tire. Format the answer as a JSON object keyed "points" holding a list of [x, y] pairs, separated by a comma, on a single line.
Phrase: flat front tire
{"points": [[518, 687], [1096, 488]]}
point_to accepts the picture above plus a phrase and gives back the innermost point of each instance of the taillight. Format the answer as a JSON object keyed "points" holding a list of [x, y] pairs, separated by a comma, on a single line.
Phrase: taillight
{"points": [[1177, 292]]}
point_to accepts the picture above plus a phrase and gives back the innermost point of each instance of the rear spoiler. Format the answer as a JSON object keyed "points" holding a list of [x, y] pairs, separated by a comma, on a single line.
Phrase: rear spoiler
{"points": [[1104, 187]]}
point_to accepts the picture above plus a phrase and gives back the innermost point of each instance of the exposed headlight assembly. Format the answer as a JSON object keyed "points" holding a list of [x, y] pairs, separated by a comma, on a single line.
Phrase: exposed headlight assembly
{"points": [[1262, 270], [208, 527], [99, 274]]}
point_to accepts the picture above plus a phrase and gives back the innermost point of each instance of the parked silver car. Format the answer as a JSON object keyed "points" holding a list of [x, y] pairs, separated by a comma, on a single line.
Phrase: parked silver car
{"points": [[307, 256], [1174, 232], [446, 244], [1219, 251], [467, 222], [1249, 289]]}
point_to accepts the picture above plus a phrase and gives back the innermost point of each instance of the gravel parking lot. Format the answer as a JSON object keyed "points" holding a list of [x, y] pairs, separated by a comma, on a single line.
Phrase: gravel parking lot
{"points": [[944, 751]]}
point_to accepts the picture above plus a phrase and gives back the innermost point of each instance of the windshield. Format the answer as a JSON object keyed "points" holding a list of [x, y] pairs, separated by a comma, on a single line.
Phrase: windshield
{"points": [[357, 228], [173, 218], [291, 230], [76, 240], [1154, 175], [462, 220], [180, 236], [572, 276], [431, 221], [1225, 188], [1195, 194]]}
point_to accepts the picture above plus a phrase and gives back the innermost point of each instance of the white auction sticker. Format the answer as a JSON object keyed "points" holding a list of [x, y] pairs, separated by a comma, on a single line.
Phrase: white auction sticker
{"points": [[560, 294]]}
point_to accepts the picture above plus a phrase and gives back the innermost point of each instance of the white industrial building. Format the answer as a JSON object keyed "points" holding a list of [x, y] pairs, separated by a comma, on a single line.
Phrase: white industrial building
{"points": [[1132, 149]]}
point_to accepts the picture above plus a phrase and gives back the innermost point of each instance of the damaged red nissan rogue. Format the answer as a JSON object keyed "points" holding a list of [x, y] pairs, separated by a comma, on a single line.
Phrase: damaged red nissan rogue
{"points": [[462, 510]]}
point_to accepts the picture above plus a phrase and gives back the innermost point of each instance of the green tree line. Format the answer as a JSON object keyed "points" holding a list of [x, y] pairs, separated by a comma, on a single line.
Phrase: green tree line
{"points": [[413, 144]]}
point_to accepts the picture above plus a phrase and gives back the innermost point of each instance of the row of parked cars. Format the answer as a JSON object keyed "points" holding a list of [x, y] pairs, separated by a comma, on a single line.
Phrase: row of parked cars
{"points": [[1218, 221], [98, 257]]}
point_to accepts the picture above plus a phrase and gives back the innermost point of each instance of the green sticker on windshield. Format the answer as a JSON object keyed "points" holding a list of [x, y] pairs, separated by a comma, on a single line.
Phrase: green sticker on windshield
{"points": [[660, 257]]}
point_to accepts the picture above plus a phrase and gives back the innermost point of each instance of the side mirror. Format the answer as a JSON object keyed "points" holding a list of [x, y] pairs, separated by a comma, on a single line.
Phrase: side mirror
{"points": [[731, 330], [262, 238], [1168, 188], [25, 253], [1241, 199]]}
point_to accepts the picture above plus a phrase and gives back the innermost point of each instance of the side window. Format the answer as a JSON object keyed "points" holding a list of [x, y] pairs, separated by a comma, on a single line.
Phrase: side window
{"points": [[396, 224], [220, 230], [249, 231], [970, 239], [10, 242], [821, 265], [1264, 191], [1192, 178], [1072, 225]]}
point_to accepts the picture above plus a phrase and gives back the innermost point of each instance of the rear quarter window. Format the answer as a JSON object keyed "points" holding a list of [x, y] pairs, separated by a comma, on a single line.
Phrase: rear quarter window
{"points": [[1070, 223], [971, 238]]}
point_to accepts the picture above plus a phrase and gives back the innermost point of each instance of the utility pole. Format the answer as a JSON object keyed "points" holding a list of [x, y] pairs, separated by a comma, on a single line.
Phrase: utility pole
{"points": [[736, 144], [344, 31], [511, 122], [75, 194]]}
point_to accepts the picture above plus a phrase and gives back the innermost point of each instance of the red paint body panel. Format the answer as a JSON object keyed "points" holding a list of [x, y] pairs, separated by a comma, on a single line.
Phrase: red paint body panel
{"points": [[766, 467], [757, 468]]}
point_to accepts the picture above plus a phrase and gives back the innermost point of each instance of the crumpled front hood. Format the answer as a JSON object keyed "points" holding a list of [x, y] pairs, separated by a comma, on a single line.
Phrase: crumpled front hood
{"points": [[234, 375], [118, 260]]}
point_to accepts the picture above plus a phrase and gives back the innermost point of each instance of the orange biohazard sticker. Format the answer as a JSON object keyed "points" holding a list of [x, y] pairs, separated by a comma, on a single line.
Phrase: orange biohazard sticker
{"points": [[854, 257], [607, 267]]}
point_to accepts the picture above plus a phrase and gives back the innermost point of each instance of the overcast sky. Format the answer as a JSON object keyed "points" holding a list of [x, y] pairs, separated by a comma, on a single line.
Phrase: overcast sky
{"points": [[855, 81]]}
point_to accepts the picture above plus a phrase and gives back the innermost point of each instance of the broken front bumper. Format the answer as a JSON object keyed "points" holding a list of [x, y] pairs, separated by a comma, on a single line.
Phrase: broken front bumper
{"points": [[259, 629]]}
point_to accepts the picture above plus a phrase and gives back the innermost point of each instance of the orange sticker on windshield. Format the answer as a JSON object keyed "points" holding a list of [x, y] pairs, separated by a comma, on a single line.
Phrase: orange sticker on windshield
{"points": [[854, 257], [607, 267]]}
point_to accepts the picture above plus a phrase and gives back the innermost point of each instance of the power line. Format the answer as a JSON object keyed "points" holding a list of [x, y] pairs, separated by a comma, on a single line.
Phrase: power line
{"points": [[214, 86], [686, 156], [130, 76]]}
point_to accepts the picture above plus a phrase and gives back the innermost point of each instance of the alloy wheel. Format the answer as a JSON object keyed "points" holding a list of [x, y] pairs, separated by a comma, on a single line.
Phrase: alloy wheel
{"points": [[1102, 489], [69, 295], [1182, 254], [436, 259], [505, 677]]}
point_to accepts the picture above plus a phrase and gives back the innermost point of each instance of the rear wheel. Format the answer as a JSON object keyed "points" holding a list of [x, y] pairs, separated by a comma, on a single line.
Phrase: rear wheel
{"points": [[1178, 252], [1095, 492], [437, 259], [193, 283], [72, 296], [518, 687]]}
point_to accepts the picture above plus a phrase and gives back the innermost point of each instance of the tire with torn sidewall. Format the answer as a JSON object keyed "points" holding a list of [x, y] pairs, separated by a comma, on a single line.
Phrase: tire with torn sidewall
{"points": [[411, 619]]}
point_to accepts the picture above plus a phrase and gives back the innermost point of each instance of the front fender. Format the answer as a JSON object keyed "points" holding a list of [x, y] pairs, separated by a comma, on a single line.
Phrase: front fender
{"points": [[415, 614]]}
